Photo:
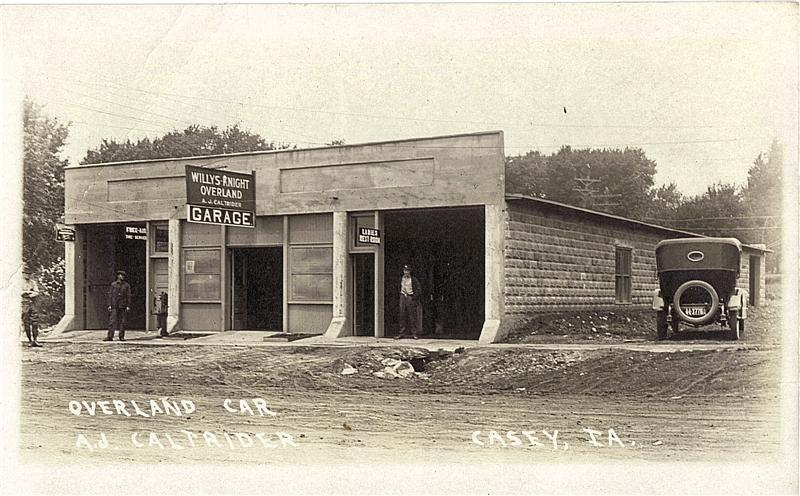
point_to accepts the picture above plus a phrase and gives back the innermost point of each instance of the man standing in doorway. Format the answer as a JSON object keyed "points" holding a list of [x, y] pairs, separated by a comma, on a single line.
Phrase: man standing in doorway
{"points": [[119, 302], [410, 304]]}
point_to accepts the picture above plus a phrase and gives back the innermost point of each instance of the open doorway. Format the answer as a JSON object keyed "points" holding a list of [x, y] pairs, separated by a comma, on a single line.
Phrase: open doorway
{"points": [[445, 248], [257, 289], [109, 248], [364, 294]]}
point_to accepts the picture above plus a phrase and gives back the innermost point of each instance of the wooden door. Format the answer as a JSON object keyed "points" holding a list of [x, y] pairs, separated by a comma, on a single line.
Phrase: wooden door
{"points": [[158, 282], [99, 251]]}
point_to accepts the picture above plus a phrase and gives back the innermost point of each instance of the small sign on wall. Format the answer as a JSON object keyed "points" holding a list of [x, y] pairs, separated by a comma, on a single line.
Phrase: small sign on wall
{"points": [[369, 235], [136, 233], [65, 233]]}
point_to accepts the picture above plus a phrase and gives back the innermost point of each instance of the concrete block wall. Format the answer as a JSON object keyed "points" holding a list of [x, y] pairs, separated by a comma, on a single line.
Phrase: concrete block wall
{"points": [[744, 275], [743, 282], [557, 260]]}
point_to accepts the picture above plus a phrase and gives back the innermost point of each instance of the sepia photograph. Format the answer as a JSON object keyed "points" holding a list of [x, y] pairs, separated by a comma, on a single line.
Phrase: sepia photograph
{"points": [[444, 248]]}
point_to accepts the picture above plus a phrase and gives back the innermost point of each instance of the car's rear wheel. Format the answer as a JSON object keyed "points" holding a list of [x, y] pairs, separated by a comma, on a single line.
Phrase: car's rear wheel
{"points": [[676, 324], [662, 330], [735, 324]]}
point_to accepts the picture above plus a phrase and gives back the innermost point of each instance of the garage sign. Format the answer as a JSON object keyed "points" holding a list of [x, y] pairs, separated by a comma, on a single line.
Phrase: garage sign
{"points": [[220, 197]]}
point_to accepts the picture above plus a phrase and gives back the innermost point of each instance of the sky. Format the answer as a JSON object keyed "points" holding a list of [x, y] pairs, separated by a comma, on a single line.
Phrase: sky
{"points": [[702, 88]]}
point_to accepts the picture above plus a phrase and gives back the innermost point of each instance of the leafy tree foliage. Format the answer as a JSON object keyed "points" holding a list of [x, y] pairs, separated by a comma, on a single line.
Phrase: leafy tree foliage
{"points": [[525, 174], [664, 203], [717, 212], [193, 141], [621, 180], [764, 182], [762, 202], [43, 186], [43, 205]]}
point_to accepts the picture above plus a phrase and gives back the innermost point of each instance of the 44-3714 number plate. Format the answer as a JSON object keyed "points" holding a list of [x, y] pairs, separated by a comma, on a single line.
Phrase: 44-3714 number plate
{"points": [[694, 310]]}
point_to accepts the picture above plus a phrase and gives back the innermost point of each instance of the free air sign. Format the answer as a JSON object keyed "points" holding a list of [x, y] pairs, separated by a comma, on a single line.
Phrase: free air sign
{"points": [[136, 233], [369, 235], [220, 197]]}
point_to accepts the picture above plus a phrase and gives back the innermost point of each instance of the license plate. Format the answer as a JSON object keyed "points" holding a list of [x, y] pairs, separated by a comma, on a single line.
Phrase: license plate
{"points": [[694, 311]]}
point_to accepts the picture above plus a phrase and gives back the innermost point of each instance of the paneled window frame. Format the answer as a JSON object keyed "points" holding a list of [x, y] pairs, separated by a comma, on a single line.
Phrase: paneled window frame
{"points": [[623, 271], [310, 282], [206, 273]]}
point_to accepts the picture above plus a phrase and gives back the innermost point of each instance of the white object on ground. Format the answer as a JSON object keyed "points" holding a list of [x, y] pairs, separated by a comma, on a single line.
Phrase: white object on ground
{"points": [[349, 369]]}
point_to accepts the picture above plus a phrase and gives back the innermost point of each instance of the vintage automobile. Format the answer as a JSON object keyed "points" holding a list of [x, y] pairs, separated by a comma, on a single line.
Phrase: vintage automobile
{"points": [[697, 285]]}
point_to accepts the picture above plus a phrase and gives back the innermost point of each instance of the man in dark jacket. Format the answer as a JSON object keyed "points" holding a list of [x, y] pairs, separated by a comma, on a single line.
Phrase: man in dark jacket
{"points": [[119, 303], [161, 305], [30, 319], [410, 304]]}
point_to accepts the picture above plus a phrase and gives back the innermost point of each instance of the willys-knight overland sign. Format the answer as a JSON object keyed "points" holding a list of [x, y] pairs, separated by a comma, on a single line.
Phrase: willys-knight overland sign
{"points": [[220, 197]]}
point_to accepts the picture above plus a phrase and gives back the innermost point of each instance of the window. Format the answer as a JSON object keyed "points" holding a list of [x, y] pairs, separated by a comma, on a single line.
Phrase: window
{"points": [[161, 238], [311, 276], [201, 274], [622, 274]]}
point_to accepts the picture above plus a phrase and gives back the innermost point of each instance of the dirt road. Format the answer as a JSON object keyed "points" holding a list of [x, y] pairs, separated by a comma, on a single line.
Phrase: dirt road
{"points": [[686, 405]]}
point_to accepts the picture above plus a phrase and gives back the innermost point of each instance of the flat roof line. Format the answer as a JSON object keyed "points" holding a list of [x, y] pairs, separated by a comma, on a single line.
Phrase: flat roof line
{"points": [[284, 150]]}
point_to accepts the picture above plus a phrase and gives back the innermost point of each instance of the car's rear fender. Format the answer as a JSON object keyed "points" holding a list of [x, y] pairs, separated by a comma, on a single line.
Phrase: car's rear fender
{"points": [[658, 301], [738, 301]]}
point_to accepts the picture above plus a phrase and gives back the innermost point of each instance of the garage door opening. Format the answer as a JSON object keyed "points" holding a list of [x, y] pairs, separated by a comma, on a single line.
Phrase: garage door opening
{"points": [[257, 289], [109, 248], [445, 248]]}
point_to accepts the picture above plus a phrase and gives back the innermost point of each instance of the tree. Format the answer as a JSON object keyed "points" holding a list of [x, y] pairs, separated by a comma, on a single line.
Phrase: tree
{"points": [[43, 205], [193, 141], [43, 186], [610, 180], [762, 201], [664, 203], [717, 212], [525, 174]]}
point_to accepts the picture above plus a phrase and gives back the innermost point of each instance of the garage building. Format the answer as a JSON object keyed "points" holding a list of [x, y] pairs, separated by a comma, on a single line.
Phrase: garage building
{"points": [[485, 259]]}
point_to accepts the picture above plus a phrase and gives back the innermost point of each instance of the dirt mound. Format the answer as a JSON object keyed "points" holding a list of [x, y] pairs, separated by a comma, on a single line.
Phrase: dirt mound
{"points": [[500, 369], [597, 325], [368, 360]]}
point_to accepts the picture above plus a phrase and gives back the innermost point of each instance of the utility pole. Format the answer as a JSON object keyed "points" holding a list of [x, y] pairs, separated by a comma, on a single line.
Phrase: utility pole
{"points": [[589, 194], [586, 190], [609, 200]]}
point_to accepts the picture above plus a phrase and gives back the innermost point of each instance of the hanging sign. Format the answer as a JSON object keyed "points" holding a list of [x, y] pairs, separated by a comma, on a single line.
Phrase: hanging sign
{"points": [[220, 197], [369, 235], [65, 233]]}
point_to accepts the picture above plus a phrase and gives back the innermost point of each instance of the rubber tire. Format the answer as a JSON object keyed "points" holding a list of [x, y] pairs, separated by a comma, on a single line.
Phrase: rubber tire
{"points": [[676, 325], [662, 329], [676, 300], [733, 322]]}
